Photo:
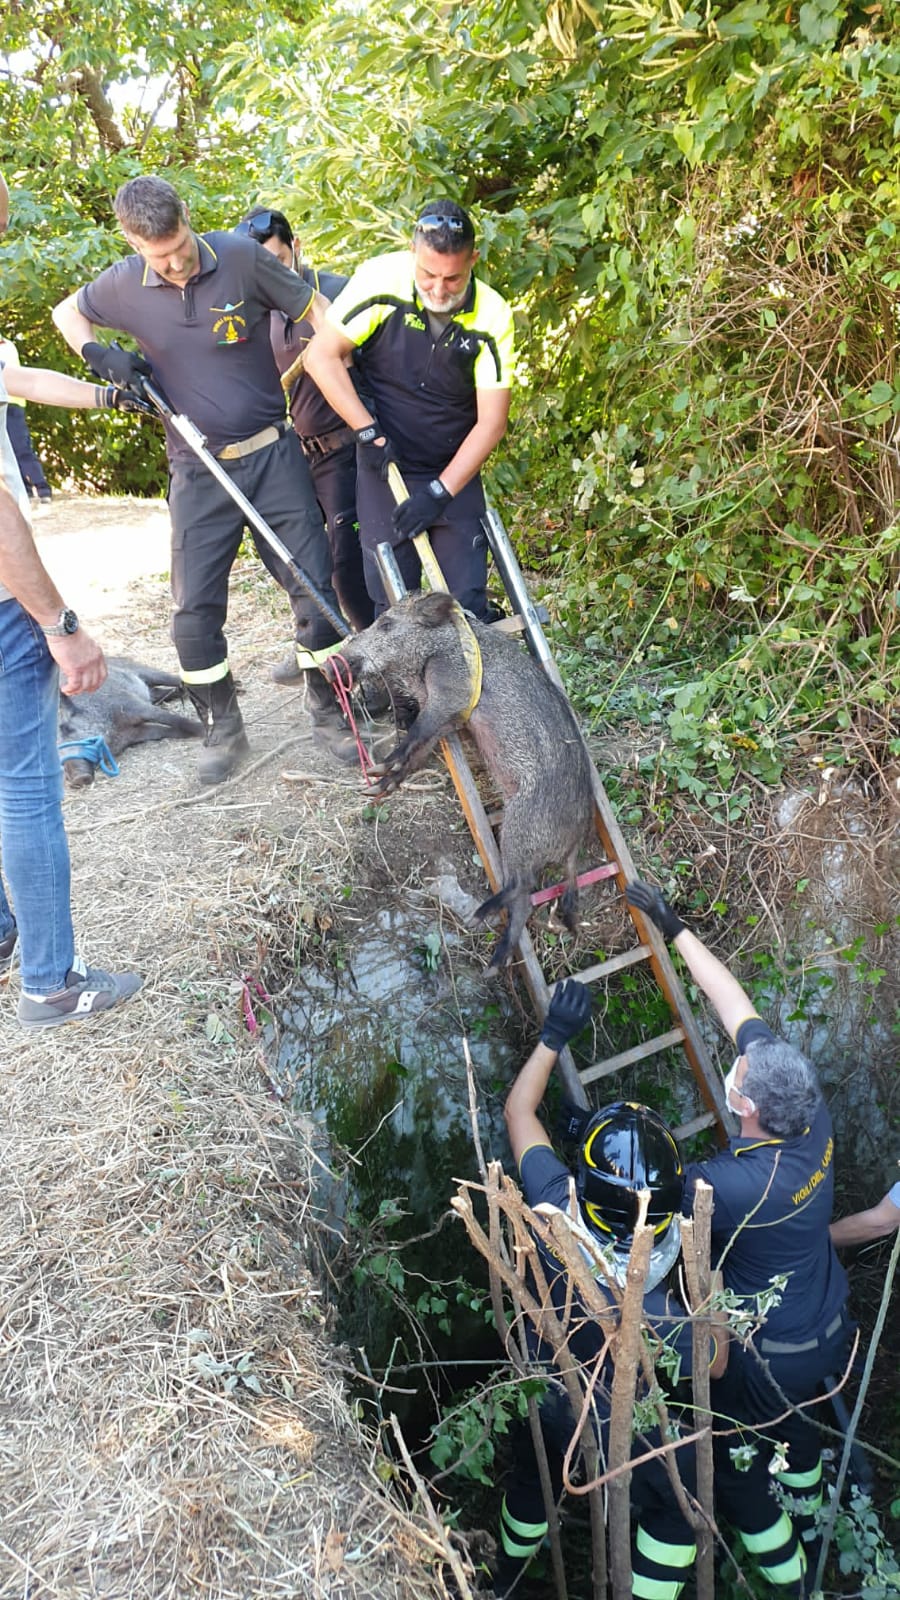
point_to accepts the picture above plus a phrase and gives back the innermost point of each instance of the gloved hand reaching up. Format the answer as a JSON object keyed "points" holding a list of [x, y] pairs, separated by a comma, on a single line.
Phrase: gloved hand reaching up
{"points": [[568, 1012], [651, 902]]}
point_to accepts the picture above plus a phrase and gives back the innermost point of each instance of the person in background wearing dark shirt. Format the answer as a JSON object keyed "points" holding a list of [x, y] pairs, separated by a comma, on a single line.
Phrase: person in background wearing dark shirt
{"points": [[328, 444], [773, 1193], [199, 306], [623, 1149]]}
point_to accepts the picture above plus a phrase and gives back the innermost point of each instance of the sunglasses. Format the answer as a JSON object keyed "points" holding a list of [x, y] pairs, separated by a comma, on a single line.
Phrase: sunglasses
{"points": [[258, 227], [433, 220]]}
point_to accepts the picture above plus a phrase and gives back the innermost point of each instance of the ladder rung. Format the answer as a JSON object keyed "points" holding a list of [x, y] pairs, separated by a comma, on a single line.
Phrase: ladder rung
{"points": [[627, 958], [688, 1129], [627, 1058], [593, 875]]}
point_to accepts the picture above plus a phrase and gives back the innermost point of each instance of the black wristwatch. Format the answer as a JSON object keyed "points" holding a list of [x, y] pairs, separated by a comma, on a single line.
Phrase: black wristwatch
{"points": [[66, 622]]}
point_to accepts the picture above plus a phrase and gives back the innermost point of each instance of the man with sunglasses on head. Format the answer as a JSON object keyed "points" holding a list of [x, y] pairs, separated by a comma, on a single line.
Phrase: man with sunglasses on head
{"points": [[773, 1190], [327, 442], [199, 306], [434, 349]]}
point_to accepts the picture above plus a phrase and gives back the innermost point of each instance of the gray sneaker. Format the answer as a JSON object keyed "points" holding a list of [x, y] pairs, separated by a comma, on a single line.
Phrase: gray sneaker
{"points": [[88, 990]]}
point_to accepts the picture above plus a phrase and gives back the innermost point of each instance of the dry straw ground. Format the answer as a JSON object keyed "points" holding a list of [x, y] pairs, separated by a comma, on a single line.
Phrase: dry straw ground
{"points": [[174, 1419]]}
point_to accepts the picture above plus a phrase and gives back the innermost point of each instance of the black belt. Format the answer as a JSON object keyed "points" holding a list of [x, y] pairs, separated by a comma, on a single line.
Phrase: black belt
{"points": [[324, 444], [775, 1347]]}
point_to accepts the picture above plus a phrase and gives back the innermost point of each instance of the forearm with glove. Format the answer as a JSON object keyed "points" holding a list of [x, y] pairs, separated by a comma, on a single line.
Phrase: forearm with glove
{"points": [[568, 1014], [731, 1001]]}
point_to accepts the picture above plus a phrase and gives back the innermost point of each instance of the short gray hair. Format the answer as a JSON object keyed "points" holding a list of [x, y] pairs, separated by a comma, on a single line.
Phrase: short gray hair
{"points": [[149, 208], [782, 1085]]}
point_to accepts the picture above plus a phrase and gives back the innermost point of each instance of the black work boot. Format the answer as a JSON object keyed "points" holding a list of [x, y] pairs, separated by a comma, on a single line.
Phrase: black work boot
{"points": [[287, 672], [225, 743], [331, 729]]}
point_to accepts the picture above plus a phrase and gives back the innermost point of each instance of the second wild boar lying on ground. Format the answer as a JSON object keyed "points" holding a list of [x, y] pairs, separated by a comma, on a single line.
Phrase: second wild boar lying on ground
{"points": [[125, 710], [523, 727]]}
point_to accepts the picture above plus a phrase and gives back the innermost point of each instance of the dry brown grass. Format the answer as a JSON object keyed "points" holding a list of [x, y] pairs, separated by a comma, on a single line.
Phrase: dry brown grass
{"points": [[174, 1420]]}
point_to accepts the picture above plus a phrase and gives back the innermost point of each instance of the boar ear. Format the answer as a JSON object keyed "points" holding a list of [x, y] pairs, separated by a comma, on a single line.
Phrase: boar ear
{"points": [[434, 609]]}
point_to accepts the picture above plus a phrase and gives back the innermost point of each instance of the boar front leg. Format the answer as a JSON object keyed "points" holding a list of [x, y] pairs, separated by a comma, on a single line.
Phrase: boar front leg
{"points": [[440, 711]]}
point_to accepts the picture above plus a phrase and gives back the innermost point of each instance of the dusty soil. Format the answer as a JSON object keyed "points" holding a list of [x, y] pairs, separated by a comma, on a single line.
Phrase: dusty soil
{"points": [[175, 1419]]}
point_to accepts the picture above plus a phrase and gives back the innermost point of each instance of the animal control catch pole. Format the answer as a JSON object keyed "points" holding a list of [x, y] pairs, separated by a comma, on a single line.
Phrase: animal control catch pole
{"points": [[196, 441]]}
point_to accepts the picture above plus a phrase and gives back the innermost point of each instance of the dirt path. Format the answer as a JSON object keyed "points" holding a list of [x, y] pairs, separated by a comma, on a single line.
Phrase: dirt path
{"points": [[174, 1421]]}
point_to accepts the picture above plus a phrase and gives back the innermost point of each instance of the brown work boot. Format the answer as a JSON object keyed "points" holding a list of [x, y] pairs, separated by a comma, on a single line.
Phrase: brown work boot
{"points": [[225, 743]]}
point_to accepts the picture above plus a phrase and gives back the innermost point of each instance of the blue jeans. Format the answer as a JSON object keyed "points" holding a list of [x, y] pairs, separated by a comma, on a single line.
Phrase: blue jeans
{"points": [[35, 850]]}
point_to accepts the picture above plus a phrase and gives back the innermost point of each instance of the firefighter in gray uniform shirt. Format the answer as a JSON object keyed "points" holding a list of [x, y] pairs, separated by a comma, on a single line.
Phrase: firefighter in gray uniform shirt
{"points": [[199, 305]]}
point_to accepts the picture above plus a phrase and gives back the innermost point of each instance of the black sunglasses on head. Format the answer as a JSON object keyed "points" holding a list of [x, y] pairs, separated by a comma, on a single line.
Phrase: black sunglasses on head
{"points": [[433, 220], [258, 227]]}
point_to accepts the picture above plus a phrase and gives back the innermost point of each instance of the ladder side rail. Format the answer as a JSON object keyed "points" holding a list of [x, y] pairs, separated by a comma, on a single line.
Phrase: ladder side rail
{"points": [[709, 1079]]}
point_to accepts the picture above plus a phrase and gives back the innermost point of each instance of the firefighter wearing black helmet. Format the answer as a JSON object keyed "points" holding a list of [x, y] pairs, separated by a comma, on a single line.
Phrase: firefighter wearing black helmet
{"points": [[623, 1149]]}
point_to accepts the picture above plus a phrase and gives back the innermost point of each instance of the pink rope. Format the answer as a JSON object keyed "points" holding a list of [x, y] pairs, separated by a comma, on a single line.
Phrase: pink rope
{"points": [[342, 688]]}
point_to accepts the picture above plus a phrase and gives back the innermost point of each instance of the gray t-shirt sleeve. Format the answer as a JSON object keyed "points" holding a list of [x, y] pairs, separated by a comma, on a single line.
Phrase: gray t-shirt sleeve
{"points": [[281, 289], [894, 1195], [100, 301]]}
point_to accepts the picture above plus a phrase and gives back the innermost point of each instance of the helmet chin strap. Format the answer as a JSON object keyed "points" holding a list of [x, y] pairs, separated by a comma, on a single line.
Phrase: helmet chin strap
{"points": [[662, 1257]]}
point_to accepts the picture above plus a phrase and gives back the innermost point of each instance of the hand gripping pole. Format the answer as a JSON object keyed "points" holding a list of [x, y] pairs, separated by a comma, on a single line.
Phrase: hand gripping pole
{"points": [[196, 441]]}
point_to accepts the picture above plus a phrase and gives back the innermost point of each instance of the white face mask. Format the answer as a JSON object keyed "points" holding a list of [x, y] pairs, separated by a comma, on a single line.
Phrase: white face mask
{"points": [[732, 1087]]}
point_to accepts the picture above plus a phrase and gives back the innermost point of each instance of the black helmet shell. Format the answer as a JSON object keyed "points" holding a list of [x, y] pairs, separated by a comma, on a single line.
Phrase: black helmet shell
{"points": [[627, 1148]]}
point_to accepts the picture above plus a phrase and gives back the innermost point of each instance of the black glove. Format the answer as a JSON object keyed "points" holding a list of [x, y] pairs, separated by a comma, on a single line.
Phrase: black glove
{"points": [[568, 1012], [650, 901], [126, 400], [124, 368], [377, 457], [571, 1122], [421, 510]]}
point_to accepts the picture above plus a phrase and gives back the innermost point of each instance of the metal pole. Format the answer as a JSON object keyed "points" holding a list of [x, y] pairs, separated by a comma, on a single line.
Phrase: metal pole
{"points": [[196, 441], [514, 582]]}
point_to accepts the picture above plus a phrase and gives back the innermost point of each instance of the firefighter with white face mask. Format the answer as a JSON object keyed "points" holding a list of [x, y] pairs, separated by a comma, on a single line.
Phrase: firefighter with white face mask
{"points": [[773, 1190]]}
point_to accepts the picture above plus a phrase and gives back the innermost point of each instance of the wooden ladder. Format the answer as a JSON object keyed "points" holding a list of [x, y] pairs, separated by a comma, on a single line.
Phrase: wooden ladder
{"points": [[618, 864]]}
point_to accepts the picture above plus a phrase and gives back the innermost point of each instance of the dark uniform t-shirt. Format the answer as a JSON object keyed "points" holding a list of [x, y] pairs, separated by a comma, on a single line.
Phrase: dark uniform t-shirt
{"points": [[545, 1179], [423, 388], [312, 415], [772, 1203], [208, 343]]}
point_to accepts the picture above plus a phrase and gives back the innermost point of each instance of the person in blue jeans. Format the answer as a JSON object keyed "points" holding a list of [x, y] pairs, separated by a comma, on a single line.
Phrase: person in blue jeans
{"points": [[38, 635]]}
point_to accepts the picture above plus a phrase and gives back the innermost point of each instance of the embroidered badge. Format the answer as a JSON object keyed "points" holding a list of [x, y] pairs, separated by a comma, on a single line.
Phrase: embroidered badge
{"points": [[229, 324]]}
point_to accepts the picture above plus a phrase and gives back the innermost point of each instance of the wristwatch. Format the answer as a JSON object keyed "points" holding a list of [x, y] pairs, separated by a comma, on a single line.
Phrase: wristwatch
{"points": [[66, 622]]}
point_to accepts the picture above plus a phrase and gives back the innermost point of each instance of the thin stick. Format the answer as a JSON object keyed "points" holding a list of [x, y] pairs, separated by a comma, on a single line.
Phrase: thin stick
{"points": [[857, 1411], [440, 1532], [695, 1247]]}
